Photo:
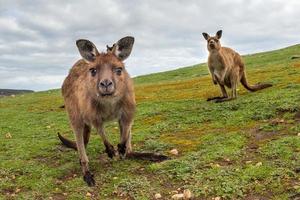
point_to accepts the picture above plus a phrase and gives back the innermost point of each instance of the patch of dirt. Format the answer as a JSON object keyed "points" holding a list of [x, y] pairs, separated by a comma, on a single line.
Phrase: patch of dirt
{"points": [[297, 116], [68, 176], [50, 161], [258, 197], [58, 196]]}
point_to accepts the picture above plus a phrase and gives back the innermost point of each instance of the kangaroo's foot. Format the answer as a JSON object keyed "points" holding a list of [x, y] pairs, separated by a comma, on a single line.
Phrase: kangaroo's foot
{"points": [[214, 98], [223, 99]]}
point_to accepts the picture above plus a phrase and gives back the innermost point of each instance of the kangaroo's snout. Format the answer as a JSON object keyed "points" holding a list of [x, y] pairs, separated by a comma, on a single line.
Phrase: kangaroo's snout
{"points": [[106, 83], [106, 87]]}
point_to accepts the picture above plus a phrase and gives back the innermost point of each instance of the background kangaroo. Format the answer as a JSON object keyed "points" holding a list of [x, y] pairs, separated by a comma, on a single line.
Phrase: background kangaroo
{"points": [[227, 68], [99, 89]]}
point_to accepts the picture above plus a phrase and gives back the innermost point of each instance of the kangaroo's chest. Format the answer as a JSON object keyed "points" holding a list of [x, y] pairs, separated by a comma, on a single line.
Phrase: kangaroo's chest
{"points": [[109, 111], [216, 63]]}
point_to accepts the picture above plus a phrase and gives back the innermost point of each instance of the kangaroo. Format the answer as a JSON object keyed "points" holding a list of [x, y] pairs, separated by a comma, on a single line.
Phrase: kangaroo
{"points": [[99, 89], [227, 69]]}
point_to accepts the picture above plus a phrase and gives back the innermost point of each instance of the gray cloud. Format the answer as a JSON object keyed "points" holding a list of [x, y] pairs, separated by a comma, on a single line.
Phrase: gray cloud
{"points": [[37, 38]]}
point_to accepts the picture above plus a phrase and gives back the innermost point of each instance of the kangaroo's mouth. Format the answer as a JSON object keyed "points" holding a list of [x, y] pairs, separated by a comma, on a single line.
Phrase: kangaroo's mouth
{"points": [[106, 94]]}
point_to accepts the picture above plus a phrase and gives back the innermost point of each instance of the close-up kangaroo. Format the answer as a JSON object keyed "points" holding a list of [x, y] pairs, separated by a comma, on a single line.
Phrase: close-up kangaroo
{"points": [[227, 69], [99, 89]]}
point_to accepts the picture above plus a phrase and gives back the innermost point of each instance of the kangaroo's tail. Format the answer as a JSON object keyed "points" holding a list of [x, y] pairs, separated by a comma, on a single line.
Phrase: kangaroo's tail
{"points": [[71, 144], [68, 143], [253, 88]]}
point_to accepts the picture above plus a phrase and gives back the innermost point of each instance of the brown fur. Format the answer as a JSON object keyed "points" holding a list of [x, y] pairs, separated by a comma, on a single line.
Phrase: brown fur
{"points": [[91, 99], [227, 68]]}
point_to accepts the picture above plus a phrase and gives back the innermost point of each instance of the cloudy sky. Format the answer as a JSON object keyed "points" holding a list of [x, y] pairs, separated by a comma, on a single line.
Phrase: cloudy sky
{"points": [[37, 38]]}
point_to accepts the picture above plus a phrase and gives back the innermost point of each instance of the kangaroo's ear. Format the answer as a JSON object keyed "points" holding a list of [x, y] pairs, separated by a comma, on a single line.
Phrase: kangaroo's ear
{"points": [[123, 47], [206, 36], [219, 34], [87, 50]]}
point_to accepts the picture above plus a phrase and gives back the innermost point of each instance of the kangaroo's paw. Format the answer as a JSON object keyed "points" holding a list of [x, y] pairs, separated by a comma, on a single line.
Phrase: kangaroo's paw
{"points": [[89, 179], [122, 150], [110, 150]]}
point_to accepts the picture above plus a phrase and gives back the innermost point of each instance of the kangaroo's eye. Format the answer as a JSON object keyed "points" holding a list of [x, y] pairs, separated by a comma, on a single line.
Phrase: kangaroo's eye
{"points": [[216, 40], [118, 70], [93, 71]]}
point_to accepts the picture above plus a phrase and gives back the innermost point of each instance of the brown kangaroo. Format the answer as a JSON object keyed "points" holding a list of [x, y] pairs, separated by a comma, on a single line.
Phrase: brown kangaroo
{"points": [[227, 69], [99, 89]]}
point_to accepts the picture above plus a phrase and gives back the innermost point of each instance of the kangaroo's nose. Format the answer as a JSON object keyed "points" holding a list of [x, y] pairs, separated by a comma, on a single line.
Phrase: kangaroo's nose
{"points": [[106, 83]]}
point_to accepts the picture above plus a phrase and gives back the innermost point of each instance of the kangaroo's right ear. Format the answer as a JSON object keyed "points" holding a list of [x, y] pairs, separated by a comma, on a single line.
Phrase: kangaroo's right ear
{"points": [[206, 36], [219, 34], [87, 50], [123, 47]]}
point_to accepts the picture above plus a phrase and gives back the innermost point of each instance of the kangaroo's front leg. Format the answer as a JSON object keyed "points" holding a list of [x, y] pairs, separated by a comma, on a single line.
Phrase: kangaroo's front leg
{"points": [[124, 146], [109, 149], [88, 177]]}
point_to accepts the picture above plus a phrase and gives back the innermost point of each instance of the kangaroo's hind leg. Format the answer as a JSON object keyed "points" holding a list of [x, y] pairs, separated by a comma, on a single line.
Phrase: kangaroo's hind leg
{"points": [[223, 90]]}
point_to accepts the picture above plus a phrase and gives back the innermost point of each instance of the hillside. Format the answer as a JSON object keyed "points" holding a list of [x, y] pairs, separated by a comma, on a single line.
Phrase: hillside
{"points": [[244, 149], [8, 92]]}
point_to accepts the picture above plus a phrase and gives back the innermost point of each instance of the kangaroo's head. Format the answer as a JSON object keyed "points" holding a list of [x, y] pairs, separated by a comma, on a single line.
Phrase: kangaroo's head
{"points": [[105, 75], [213, 43]]}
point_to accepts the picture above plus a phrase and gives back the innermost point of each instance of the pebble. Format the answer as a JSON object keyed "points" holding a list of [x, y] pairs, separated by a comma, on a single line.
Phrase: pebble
{"points": [[8, 135], [88, 194], [157, 196], [298, 134], [178, 196], [187, 194], [174, 152], [258, 164]]}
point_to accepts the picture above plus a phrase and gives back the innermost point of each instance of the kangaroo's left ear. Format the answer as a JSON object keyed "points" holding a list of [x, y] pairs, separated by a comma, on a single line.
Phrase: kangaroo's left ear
{"points": [[206, 36], [219, 34], [123, 47]]}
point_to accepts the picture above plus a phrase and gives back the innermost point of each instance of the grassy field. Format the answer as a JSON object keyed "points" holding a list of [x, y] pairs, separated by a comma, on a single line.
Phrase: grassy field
{"points": [[243, 149]]}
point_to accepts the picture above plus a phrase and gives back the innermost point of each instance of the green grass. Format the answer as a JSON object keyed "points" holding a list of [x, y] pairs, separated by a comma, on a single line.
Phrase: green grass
{"points": [[247, 148]]}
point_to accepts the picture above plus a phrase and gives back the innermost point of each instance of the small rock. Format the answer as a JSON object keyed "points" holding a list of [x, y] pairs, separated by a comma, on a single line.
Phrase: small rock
{"points": [[115, 178], [157, 196], [296, 187], [65, 194], [187, 194], [8, 135], [18, 190], [178, 196], [298, 134], [88, 194], [217, 198], [227, 159], [258, 164], [48, 126], [248, 161], [174, 152]]}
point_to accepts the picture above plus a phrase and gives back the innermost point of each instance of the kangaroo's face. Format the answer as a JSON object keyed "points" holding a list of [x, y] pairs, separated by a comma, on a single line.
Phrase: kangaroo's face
{"points": [[213, 43], [105, 76]]}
